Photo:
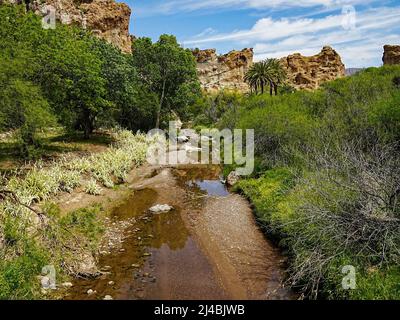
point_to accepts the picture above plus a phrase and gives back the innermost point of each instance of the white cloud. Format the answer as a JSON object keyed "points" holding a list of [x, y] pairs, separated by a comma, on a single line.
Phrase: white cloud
{"points": [[173, 6], [359, 46], [205, 32]]}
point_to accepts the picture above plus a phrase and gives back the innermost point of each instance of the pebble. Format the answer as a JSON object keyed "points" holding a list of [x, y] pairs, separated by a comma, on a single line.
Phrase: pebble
{"points": [[67, 284], [108, 297], [134, 265], [146, 254], [111, 283], [90, 292], [122, 250]]}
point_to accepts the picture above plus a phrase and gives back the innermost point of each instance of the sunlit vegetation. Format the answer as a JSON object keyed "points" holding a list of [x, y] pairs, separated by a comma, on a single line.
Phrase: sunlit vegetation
{"points": [[34, 234], [68, 77], [326, 184]]}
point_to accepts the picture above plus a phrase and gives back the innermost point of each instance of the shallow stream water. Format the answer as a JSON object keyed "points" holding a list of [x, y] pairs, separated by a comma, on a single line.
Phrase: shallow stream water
{"points": [[159, 258]]}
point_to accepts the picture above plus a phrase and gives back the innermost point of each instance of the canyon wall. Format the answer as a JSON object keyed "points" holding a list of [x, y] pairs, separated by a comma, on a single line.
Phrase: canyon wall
{"points": [[310, 72], [391, 55], [225, 71], [106, 19]]}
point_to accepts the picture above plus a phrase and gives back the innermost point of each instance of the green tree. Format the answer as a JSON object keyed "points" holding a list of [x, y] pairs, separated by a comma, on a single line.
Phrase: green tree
{"points": [[134, 105], [169, 71], [22, 104], [70, 74]]}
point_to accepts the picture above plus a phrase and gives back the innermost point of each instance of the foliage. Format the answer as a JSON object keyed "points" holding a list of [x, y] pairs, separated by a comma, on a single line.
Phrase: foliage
{"points": [[264, 73], [22, 104], [335, 202], [29, 242], [169, 71], [66, 74]]}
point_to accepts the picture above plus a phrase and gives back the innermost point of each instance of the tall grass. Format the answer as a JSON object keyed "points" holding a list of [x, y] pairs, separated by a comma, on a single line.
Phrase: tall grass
{"points": [[30, 238]]}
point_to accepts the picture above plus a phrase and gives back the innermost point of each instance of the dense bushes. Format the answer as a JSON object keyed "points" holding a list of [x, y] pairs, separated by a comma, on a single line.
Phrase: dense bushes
{"points": [[331, 194], [66, 74]]}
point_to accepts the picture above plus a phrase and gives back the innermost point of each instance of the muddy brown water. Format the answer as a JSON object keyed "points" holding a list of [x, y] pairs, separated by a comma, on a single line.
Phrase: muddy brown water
{"points": [[160, 258]]}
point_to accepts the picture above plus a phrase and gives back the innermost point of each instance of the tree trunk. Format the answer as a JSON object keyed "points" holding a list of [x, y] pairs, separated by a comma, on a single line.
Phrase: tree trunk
{"points": [[271, 88], [276, 89], [262, 87], [161, 102], [87, 124]]}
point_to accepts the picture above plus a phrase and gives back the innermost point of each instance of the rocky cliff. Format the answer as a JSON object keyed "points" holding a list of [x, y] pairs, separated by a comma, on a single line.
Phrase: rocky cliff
{"points": [[225, 71], [310, 72], [107, 19], [391, 54]]}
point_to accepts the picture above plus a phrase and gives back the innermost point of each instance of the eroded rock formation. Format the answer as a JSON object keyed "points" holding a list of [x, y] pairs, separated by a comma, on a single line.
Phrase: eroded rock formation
{"points": [[310, 72], [391, 55], [107, 19], [225, 71]]}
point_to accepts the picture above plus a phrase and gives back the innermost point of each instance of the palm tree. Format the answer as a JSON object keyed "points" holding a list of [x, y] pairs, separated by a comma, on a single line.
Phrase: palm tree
{"points": [[279, 73], [267, 72], [258, 76]]}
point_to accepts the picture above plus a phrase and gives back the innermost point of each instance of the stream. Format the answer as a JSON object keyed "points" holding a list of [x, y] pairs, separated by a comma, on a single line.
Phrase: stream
{"points": [[208, 247]]}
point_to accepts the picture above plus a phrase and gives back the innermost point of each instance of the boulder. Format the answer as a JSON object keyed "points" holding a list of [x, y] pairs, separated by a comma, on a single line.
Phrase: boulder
{"points": [[159, 208]]}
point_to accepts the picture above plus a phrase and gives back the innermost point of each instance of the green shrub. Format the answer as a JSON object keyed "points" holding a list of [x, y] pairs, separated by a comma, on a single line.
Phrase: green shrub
{"points": [[18, 277]]}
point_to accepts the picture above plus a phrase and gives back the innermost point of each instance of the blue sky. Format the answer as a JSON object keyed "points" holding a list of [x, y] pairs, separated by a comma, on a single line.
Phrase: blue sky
{"points": [[357, 29]]}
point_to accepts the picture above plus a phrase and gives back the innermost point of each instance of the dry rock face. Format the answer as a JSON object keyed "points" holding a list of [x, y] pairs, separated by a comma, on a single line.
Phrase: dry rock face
{"points": [[391, 55], [225, 71], [310, 72], [107, 19]]}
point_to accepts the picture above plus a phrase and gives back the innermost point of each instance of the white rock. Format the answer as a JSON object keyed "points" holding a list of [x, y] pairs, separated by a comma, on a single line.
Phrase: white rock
{"points": [[66, 284], [111, 283], [189, 148], [160, 208], [108, 297], [90, 292], [45, 281], [190, 133], [232, 178], [183, 139]]}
